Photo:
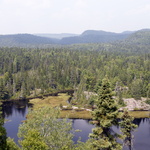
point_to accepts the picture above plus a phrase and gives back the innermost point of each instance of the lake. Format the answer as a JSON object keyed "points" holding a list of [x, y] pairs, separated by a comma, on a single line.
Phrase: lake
{"points": [[15, 112]]}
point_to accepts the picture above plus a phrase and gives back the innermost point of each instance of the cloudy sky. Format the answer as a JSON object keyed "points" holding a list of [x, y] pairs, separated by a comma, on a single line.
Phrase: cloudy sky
{"points": [[73, 16]]}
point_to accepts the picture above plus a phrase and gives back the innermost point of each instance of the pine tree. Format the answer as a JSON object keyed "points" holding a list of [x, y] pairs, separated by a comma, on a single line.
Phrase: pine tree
{"points": [[136, 89], [127, 127], [105, 115], [3, 137], [80, 96]]}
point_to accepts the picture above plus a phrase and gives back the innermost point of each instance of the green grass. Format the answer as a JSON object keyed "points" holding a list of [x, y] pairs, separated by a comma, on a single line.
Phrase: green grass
{"points": [[61, 99], [56, 101], [52, 101], [140, 114], [73, 114]]}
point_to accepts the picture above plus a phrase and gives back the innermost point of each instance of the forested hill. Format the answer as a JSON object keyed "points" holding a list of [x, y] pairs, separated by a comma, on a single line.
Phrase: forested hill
{"points": [[141, 37], [94, 36], [24, 40]]}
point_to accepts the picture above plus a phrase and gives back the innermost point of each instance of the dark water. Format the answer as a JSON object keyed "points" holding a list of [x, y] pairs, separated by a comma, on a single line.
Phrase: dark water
{"points": [[16, 112]]}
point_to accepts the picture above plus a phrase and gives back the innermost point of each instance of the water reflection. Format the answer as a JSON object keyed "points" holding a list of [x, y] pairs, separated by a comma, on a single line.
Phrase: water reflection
{"points": [[84, 126], [14, 113], [10, 107], [142, 134]]}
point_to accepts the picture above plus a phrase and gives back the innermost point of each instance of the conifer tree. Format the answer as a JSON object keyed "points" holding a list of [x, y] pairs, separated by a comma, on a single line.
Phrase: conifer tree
{"points": [[105, 115], [136, 89], [127, 126], [80, 96], [3, 137]]}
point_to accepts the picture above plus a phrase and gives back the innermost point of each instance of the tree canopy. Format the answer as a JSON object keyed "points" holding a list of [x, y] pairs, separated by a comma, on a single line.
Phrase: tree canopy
{"points": [[44, 130]]}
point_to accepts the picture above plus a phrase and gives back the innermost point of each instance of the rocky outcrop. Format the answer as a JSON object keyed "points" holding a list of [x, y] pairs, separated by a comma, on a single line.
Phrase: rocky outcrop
{"points": [[133, 104]]}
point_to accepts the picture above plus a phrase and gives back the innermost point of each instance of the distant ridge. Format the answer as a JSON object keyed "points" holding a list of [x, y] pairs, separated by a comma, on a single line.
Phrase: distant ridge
{"points": [[24, 40], [56, 36], [95, 36], [141, 37], [97, 32], [88, 36], [128, 32]]}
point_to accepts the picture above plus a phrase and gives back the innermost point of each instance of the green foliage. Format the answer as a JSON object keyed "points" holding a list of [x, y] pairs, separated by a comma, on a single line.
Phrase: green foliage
{"points": [[127, 127], [105, 116], [23, 70], [11, 145], [148, 101], [3, 92], [92, 100], [44, 126], [3, 137], [148, 90], [79, 96], [33, 141], [140, 37], [136, 89], [84, 145], [106, 105]]}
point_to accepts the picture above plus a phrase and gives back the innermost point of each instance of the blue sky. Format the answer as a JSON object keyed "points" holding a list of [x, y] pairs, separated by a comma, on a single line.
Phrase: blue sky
{"points": [[73, 16]]}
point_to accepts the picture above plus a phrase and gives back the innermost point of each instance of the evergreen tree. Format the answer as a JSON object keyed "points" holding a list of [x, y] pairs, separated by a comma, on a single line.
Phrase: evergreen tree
{"points": [[148, 91], [119, 94], [127, 127], [79, 94], [3, 137], [136, 89], [105, 116], [3, 93]]}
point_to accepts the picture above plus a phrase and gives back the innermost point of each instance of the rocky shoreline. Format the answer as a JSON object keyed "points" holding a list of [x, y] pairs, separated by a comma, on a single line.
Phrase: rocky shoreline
{"points": [[132, 104]]}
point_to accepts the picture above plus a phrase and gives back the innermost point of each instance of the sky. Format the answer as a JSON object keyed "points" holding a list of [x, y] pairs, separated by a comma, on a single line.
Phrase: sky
{"points": [[73, 16]]}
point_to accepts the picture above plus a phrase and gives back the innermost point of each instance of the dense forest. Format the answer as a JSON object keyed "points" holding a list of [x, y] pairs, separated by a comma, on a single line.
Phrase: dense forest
{"points": [[32, 71]]}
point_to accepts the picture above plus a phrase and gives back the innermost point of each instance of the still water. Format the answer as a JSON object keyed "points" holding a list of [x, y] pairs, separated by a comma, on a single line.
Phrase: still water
{"points": [[15, 113]]}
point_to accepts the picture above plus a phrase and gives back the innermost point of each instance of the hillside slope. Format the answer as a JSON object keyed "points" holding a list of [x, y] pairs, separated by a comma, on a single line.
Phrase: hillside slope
{"points": [[94, 36], [24, 40], [141, 37]]}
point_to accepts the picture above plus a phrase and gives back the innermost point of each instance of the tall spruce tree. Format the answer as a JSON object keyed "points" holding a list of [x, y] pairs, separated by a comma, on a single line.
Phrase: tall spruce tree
{"points": [[3, 137], [105, 115], [127, 127]]}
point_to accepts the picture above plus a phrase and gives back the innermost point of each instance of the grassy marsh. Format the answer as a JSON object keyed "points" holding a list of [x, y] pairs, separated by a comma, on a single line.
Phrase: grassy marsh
{"points": [[56, 101], [140, 114], [61, 99], [52, 101], [73, 114]]}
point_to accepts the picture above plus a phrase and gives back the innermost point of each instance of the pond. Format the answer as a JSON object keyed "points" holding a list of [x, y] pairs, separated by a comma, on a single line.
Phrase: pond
{"points": [[15, 112]]}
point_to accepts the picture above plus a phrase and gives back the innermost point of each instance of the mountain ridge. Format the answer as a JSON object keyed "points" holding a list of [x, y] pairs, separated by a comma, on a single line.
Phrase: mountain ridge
{"points": [[88, 36], [56, 36]]}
